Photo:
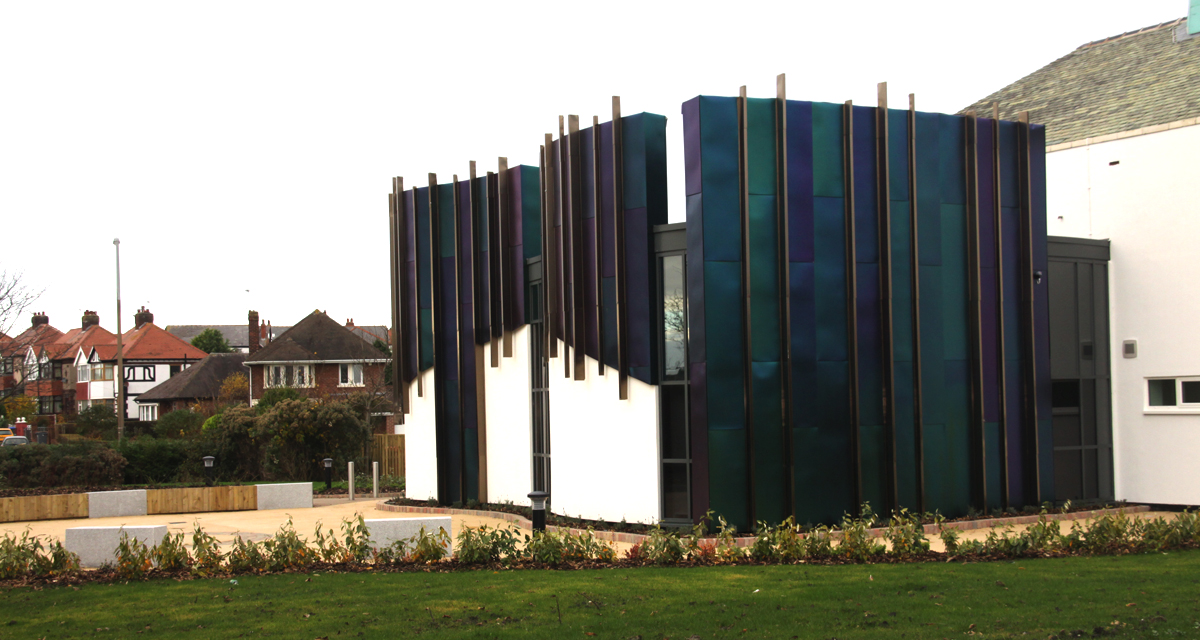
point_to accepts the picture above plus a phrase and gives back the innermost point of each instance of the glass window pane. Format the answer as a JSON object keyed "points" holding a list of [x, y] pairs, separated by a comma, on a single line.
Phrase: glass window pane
{"points": [[1191, 391], [676, 504], [674, 421], [1162, 392], [1064, 394], [674, 313]]}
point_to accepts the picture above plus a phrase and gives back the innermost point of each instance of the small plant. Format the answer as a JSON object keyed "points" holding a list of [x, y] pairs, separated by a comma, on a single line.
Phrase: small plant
{"points": [[662, 547], [486, 544], [25, 556], [545, 547], [357, 540], [906, 535], [246, 556], [429, 547], [133, 558], [857, 543], [818, 543], [170, 554], [585, 546], [287, 550], [206, 553], [329, 549]]}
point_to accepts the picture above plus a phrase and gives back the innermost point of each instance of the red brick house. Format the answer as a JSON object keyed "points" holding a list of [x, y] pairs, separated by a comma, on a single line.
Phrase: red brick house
{"points": [[319, 358]]}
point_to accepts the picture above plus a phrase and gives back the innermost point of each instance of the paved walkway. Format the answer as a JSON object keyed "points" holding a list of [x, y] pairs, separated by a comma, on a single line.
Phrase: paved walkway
{"points": [[251, 525]]}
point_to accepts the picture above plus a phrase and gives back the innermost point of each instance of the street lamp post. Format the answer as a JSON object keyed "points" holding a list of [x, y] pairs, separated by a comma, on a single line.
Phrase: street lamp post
{"points": [[208, 469], [119, 378]]}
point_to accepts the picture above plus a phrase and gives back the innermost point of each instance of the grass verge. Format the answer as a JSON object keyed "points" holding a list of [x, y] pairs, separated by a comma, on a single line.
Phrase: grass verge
{"points": [[1122, 596]]}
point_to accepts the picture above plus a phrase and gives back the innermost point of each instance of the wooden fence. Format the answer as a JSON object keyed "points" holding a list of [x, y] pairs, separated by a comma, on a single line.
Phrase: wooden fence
{"points": [[71, 505], [201, 499], [388, 451]]}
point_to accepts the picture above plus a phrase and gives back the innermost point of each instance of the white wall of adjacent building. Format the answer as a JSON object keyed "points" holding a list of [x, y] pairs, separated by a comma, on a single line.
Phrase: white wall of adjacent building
{"points": [[1143, 193], [604, 450]]}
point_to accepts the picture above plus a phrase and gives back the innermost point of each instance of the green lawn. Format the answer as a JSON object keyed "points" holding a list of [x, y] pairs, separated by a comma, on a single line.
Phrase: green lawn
{"points": [[1153, 595]]}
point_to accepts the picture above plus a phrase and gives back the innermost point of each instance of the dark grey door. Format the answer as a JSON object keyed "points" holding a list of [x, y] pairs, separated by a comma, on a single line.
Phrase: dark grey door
{"points": [[1079, 369]]}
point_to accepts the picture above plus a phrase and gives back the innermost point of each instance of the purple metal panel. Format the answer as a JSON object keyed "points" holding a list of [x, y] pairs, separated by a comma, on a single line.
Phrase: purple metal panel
{"points": [[516, 242], [991, 343], [637, 300], [987, 194]]}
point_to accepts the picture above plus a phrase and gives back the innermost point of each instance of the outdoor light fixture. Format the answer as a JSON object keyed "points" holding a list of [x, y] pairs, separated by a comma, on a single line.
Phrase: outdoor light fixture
{"points": [[328, 473], [539, 498], [208, 468]]}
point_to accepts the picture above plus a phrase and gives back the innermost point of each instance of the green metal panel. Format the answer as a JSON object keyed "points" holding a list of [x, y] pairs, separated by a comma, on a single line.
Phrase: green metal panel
{"points": [[827, 151], [727, 468], [760, 145]]}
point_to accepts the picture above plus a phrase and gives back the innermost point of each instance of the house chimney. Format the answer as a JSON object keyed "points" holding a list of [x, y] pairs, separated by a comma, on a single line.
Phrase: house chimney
{"points": [[90, 319], [40, 319], [350, 323], [270, 333], [142, 317], [253, 334]]}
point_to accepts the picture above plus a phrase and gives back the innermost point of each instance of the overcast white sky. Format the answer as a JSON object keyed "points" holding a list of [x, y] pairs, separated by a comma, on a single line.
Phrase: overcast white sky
{"points": [[238, 146]]}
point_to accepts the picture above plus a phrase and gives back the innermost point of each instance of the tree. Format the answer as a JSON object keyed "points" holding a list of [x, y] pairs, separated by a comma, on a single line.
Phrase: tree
{"points": [[211, 341], [15, 297], [387, 351], [235, 389], [98, 421], [18, 406]]}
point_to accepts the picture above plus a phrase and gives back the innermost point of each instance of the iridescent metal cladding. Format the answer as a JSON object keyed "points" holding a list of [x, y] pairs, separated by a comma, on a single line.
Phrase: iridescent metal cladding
{"points": [[1028, 313], [852, 299], [884, 200]]}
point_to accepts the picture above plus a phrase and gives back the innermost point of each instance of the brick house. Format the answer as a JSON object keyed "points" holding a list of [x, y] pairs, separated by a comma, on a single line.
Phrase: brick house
{"points": [[198, 384], [321, 358]]}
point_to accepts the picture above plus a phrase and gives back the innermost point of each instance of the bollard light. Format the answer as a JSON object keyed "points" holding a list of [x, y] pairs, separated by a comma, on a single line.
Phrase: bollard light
{"points": [[539, 498], [208, 468], [328, 473]]}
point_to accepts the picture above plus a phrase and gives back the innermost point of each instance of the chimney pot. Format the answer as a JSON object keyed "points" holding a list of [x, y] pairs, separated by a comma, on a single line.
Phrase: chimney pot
{"points": [[40, 318], [90, 319], [142, 317]]}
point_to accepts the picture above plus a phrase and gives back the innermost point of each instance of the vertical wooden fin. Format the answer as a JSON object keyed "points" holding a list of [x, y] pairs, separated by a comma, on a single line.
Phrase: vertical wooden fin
{"points": [[747, 338], [852, 299], [619, 245], [506, 258], [884, 200], [785, 292], [914, 252]]}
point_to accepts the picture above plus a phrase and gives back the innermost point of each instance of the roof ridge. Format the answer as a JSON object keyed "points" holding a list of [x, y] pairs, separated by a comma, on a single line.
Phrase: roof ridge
{"points": [[1128, 34]]}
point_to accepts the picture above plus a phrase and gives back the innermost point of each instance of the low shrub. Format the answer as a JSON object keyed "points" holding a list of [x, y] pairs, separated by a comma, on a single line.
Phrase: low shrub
{"points": [[55, 465], [27, 556], [183, 423], [857, 543], [170, 554], [906, 534], [134, 558], [287, 550], [487, 544], [157, 461], [207, 557]]}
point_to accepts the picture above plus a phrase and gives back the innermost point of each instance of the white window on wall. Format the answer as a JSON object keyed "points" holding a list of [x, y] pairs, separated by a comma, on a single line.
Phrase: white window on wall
{"points": [[148, 412], [83, 372], [351, 375], [289, 375], [1173, 395]]}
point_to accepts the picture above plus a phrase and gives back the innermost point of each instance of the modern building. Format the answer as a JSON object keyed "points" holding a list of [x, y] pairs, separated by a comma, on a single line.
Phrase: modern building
{"points": [[1122, 118], [855, 311]]}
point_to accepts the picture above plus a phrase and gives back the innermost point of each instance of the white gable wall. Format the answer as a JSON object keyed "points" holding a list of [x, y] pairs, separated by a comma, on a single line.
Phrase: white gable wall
{"points": [[1149, 206]]}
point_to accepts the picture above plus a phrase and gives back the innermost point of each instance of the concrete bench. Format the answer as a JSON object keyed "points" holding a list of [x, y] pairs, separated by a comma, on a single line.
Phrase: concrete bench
{"points": [[294, 495], [385, 531], [97, 546], [106, 504]]}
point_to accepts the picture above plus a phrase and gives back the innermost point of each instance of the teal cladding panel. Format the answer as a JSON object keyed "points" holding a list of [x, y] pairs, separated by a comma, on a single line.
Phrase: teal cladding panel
{"points": [[954, 281], [764, 279], [728, 487], [829, 220], [760, 146], [929, 197], [769, 462], [719, 171], [531, 212], [828, 180], [722, 297]]}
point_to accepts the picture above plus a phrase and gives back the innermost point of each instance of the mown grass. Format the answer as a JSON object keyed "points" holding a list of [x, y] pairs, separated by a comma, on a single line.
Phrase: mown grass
{"points": [[1122, 596]]}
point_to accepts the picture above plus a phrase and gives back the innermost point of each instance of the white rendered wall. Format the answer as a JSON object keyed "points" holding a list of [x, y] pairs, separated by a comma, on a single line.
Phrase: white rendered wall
{"points": [[1149, 206], [509, 431], [603, 450], [420, 444]]}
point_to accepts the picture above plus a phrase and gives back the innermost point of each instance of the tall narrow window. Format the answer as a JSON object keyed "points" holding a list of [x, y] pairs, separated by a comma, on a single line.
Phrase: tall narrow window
{"points": [[539, 384], [675, 445]]}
